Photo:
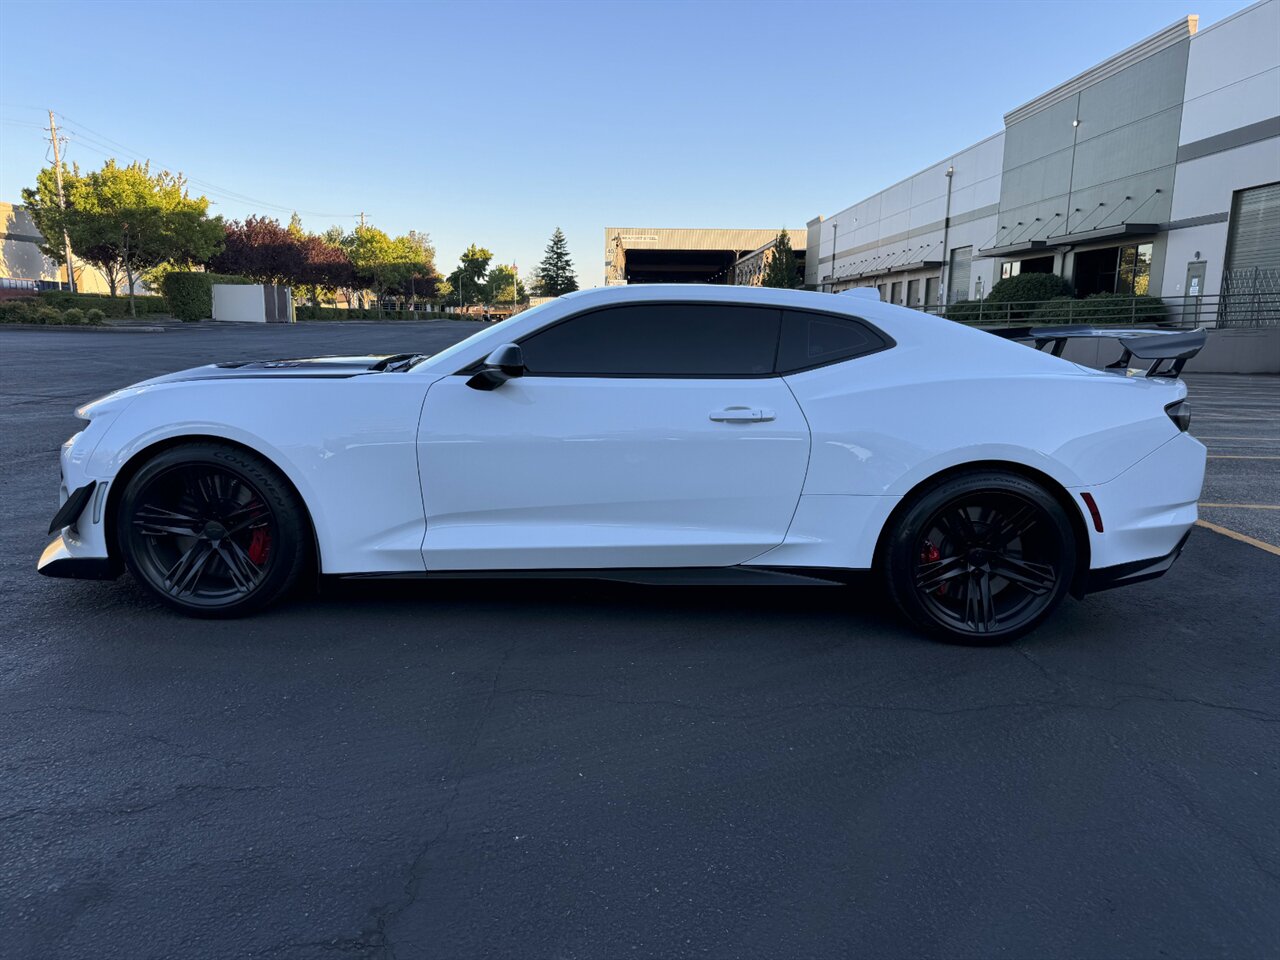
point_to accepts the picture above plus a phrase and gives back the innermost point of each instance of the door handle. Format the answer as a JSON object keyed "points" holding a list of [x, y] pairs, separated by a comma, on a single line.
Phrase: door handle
{"points": [[741, 415]]}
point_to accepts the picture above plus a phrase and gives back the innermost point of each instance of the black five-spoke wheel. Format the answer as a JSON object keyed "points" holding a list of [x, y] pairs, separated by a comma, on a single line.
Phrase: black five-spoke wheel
{"points": [[212, 530], [981, 558]]}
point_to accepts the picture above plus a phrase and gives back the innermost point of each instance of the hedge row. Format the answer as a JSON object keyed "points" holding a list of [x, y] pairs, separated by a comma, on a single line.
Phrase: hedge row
{"points": [[307, 312], [1100, 308], [190, 294], [33, 311], [114, 307]]}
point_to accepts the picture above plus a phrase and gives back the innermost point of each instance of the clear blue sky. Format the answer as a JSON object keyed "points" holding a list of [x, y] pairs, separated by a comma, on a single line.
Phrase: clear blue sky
{"points": [[495, 122]]}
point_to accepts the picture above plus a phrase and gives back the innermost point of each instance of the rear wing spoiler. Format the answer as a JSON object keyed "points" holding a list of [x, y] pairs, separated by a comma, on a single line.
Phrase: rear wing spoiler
{"points": [[1175, 347]]}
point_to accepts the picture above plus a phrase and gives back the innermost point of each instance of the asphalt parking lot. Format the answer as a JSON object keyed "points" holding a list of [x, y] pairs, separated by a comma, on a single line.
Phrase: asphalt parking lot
{"points": [[595, 771]]}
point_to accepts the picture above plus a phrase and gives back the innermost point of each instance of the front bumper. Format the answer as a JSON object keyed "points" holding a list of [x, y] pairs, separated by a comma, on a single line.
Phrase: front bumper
{"points": [[58, 561]]}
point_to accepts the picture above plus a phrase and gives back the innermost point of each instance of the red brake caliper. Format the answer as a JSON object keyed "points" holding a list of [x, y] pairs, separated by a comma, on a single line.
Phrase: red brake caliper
{"points": [[931, 554], [260, 546]]}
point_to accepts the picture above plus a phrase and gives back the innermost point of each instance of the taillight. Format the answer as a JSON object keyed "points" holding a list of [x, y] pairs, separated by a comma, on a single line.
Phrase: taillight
{"points": [[1180, 413]]}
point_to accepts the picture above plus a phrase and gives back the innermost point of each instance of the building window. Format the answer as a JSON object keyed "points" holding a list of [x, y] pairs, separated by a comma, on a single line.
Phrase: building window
{"points": [[931, 291], [1134, 276], [1122, 270], [1032, 265], [895, 292], [913, 293]]}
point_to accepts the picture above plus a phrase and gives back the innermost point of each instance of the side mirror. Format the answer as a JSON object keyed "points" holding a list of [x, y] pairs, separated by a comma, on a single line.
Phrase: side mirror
{"points": [[505, 363]]}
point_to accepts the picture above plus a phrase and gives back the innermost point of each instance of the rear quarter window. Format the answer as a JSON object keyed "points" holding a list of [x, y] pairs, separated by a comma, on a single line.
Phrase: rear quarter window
{"points": [[817, 339]]}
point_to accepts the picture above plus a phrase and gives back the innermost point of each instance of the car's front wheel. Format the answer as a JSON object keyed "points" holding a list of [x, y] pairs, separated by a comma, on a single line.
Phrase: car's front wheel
{"points": [[212, 530], [980, 558]]}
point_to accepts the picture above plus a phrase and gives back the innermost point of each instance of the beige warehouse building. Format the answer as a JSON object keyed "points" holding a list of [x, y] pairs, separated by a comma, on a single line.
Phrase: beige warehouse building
{"points": [[22, 263]]}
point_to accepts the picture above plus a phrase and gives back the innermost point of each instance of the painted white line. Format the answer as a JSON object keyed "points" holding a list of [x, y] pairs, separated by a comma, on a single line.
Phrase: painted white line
{"points": [[1243, 538], [1238, 456], [1243, 506]]}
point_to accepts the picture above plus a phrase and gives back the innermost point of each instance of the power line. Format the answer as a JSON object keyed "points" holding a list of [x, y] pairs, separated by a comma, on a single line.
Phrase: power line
{"points": [[106, 144]]}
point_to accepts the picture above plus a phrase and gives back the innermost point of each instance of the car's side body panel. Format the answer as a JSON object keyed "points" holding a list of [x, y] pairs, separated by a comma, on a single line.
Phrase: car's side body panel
{"points": [[583, 472], [411, 471], [348, 445]]}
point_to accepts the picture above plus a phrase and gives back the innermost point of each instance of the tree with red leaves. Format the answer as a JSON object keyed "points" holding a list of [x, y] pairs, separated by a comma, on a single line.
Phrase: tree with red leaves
{"points": [[261, 249]]}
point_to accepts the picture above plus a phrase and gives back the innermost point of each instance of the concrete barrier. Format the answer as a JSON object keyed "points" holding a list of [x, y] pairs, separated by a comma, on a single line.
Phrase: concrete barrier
{"points": [[1228, 350]]}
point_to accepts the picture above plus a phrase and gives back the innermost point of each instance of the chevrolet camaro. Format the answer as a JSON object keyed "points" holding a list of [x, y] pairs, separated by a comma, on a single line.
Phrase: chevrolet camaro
{"points": [[658, 434]]}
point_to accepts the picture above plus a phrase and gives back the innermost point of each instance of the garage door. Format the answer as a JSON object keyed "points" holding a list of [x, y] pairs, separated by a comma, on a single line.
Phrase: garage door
{"points": [[958, 275], [1251, 280]]}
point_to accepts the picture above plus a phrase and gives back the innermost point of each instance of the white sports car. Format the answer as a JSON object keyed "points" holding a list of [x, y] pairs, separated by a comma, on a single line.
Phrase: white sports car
{"points": [[654, 434]]}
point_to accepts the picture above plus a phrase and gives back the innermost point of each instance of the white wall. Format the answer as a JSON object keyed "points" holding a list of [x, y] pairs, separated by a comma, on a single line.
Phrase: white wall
{"points": [[1233, 80], [241, 303], [903, 223], [1233, 73]]}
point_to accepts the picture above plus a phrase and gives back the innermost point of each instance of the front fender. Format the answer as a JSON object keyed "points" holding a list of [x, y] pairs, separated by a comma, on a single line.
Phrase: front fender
{"points": [[348, 446]]}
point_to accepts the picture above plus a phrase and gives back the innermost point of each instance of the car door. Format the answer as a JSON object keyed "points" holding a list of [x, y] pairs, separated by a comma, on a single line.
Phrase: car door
{"points": [[644, 435]]}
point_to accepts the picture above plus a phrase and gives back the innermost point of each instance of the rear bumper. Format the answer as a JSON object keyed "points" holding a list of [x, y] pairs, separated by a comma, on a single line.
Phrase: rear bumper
{"points": [[58, 561], [1136, 571], [1147, 510]]}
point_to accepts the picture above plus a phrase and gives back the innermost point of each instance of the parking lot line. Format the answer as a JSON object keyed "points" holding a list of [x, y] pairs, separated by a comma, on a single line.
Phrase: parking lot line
{"points": [[1242, 537], [1244, 506]]}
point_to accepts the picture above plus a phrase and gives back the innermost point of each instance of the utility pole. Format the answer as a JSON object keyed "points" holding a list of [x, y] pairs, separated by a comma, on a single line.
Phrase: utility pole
{"points": [[62, 203], [361, 219]]}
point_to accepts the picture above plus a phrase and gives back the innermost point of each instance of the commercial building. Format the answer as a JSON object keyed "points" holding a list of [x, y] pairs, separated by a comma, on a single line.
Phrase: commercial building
{"points": [[749, 269], [1156, 171], [673, 255], [23, 266]]}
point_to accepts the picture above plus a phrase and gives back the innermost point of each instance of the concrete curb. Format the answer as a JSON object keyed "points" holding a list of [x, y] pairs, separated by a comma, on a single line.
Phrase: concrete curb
{"points": [[79, 328]]}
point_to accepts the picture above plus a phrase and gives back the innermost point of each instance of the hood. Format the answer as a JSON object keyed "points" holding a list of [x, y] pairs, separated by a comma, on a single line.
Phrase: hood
{"points": [[299, 367]]}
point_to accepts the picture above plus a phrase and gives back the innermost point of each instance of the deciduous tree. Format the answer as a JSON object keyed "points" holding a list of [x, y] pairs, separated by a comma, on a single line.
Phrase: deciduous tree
{"points": [[127, 220]]}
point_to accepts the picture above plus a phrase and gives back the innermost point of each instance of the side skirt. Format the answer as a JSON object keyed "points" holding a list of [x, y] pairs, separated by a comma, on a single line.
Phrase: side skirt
{"points": [[654, 576]]}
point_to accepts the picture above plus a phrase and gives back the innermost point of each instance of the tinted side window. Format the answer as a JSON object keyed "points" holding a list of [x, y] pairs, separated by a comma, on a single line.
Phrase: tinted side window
{"points": [[658, 340], [815, 339]]}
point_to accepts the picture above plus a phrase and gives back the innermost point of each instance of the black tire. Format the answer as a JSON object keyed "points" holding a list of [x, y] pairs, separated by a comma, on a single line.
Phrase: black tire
{"points": [[212, 530], [979, 558]]}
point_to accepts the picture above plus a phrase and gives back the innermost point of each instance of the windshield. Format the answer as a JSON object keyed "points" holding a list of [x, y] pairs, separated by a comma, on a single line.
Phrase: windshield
{"points": [[496, 332]]}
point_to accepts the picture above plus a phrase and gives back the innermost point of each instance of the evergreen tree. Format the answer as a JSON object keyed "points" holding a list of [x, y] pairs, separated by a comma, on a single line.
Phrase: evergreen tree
{"points": [[782, 268], [555, 273]]}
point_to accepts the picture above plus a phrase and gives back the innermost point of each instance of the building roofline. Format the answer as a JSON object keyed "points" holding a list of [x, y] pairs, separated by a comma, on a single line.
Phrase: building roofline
{"points": [[1176, 32], [911, 176], [1227, 19]]}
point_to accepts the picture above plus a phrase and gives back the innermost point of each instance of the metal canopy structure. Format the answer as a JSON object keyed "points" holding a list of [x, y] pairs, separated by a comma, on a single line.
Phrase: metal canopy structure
{"points": [[1119, 231]]}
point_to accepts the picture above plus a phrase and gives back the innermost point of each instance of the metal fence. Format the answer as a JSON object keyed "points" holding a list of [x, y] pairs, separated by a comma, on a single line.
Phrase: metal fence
{"points": [[1253, 306]]}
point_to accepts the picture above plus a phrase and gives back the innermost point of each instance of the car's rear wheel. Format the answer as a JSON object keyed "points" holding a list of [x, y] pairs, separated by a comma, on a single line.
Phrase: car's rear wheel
{"points": [[212, 530], [980, 558]]}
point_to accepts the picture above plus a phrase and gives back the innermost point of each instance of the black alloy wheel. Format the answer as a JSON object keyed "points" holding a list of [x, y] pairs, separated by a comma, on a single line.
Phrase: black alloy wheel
{"points": [[211, 530], [981, 558]]}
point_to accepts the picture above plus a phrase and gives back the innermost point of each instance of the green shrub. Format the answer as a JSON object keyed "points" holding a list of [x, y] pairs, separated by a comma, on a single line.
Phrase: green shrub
{"points": [[44, 314], [94, 315], [114, 307], [964, 311], [310, 313], [73, 315], [190, 293], [1101, 308], [15, 311], [1028, 288], [1016, 297]]}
